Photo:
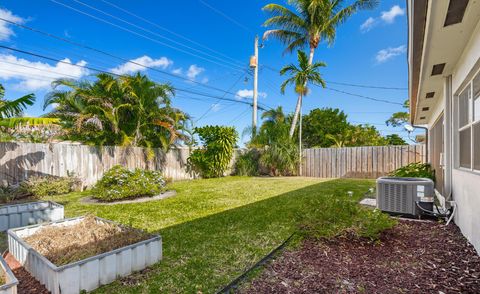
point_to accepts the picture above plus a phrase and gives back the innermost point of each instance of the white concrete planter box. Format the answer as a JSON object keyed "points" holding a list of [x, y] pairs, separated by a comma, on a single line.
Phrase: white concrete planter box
{"points": [[10, 286], [87, 274], [20, 215]]}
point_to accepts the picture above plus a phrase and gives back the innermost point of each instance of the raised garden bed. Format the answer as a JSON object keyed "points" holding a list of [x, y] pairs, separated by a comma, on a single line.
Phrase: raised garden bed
{"points": [[8, 282], [20, 215], [82, 253]]}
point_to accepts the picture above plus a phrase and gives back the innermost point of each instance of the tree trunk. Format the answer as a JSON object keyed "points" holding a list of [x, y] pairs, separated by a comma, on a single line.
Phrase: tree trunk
{"points": [[299, 100]]}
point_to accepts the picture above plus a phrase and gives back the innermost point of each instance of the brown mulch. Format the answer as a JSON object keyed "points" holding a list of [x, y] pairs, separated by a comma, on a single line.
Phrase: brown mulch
{"points": [[27, 284], [66, 244], [413, 257]]}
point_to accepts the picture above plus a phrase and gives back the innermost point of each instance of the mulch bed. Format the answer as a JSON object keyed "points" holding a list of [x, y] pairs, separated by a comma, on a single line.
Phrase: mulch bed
{"points": [[413, 257], [27, 284]]}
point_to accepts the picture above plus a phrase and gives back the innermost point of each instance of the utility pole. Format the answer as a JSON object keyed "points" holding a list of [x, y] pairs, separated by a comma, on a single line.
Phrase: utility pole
{"points": [[254, 65]]}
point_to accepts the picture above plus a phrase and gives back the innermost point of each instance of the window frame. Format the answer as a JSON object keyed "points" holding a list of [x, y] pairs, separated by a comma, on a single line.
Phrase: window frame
{"points": [[470, 125]]}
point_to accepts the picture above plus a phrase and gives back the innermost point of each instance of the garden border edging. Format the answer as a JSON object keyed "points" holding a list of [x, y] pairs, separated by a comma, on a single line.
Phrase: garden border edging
{"points": [[29, 213], [10, 287]]}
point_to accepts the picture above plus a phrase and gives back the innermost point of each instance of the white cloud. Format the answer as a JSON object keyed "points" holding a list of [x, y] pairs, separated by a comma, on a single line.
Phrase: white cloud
{"points": [[245, 93], [194, 71], [389, 16], [386, 17], [143, 62], [388, 53], [5, 28], [177, 71], [32, 76], [216, 107], [368, 25], [205, 80]]}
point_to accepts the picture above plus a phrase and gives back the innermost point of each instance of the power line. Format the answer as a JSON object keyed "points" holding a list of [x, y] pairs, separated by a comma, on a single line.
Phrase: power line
{"points": [[156, 34], [141, 35], [110, 55], [213, 105], [364, 97], [169, 31], [346, 84], [225, 16], [114, 74]]}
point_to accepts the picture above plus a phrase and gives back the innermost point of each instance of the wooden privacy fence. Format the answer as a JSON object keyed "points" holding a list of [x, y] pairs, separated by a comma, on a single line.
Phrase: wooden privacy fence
{"points": [[359, 162], [18, 161]]}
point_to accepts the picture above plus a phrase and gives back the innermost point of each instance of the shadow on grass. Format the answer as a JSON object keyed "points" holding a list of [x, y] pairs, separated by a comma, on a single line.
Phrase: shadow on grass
{"points": [[206, 253]]}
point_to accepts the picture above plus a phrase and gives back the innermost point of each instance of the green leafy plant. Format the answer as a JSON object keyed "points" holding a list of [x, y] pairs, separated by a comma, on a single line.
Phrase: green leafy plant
{"points": [[119, 183], [281, 158], [246, 163], [213, 159], [415, 170], [42, 186]]}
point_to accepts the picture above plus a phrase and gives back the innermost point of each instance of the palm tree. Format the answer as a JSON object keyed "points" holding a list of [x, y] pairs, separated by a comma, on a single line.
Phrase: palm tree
{"points": [[310, 23], [300, 76], [11, 111], [14, 107], [126, 111]]}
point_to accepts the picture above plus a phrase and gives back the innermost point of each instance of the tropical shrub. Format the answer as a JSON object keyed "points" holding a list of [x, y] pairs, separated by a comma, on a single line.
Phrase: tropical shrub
{"points": [[213, 159], [42, 186], [119, 183], [281, 158], [415, 170], [246, 163], [121, 111]]}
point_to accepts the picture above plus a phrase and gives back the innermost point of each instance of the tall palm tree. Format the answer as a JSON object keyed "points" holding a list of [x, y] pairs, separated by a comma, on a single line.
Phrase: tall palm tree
{"points": [[310, 23], [300, 76]]}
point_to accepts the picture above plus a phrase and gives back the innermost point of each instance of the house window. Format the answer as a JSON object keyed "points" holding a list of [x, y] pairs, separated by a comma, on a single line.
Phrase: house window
{"points": [[469, 125]]}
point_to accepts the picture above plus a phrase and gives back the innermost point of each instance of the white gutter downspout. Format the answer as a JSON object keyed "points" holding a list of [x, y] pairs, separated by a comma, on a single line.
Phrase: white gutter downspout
{"points": [[448, 137]]}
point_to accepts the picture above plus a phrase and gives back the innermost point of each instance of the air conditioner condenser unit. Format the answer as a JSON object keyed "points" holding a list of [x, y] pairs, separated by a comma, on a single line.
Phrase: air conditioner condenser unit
{"points": [[397, 195]]}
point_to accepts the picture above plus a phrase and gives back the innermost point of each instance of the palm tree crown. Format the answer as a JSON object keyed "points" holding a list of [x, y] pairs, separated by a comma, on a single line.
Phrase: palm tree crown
{"points": [[311, 21], [302, 74]]}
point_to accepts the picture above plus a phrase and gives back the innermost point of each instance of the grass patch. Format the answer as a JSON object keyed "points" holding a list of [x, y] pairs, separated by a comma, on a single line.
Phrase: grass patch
{"points": [[215, 229], [3, 242]]}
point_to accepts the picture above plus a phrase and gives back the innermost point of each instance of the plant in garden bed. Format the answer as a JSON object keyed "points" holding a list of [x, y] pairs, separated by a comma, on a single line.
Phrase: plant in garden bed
{"points": [[415, 170], [42, 186], [120, 183], [213, 159], [66, 244], [246, 163]]}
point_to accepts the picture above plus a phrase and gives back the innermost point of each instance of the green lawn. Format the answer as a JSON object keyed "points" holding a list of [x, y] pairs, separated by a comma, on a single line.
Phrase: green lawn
{"points": [[213, 229]]}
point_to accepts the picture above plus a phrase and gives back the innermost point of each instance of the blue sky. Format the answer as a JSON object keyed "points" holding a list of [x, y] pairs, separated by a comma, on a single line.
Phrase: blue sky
{"points": [[208, 41]]}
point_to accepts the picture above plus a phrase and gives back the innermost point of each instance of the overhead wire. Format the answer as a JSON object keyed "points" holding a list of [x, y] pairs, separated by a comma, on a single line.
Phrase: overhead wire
{"points": [[142, 35], [155, 34], [111, 55], [111, 73], [169, 31]]}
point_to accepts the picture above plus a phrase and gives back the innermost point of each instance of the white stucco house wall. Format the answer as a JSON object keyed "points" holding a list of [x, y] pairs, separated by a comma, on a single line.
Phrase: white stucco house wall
{"points": [[444, 91]]}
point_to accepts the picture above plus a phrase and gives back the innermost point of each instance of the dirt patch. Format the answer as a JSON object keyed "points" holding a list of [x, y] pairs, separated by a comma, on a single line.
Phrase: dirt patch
{"points": [[26, 283], [417, 257], [66, 244], [167, 194]]}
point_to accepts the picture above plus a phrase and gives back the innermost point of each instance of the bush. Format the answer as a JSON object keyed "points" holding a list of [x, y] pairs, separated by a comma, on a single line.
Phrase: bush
{"points": [[42, 186], [119, 183], [214, 158], [7, 194], [329, 216], [246, 163], [281, 158], [415, 170]]}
